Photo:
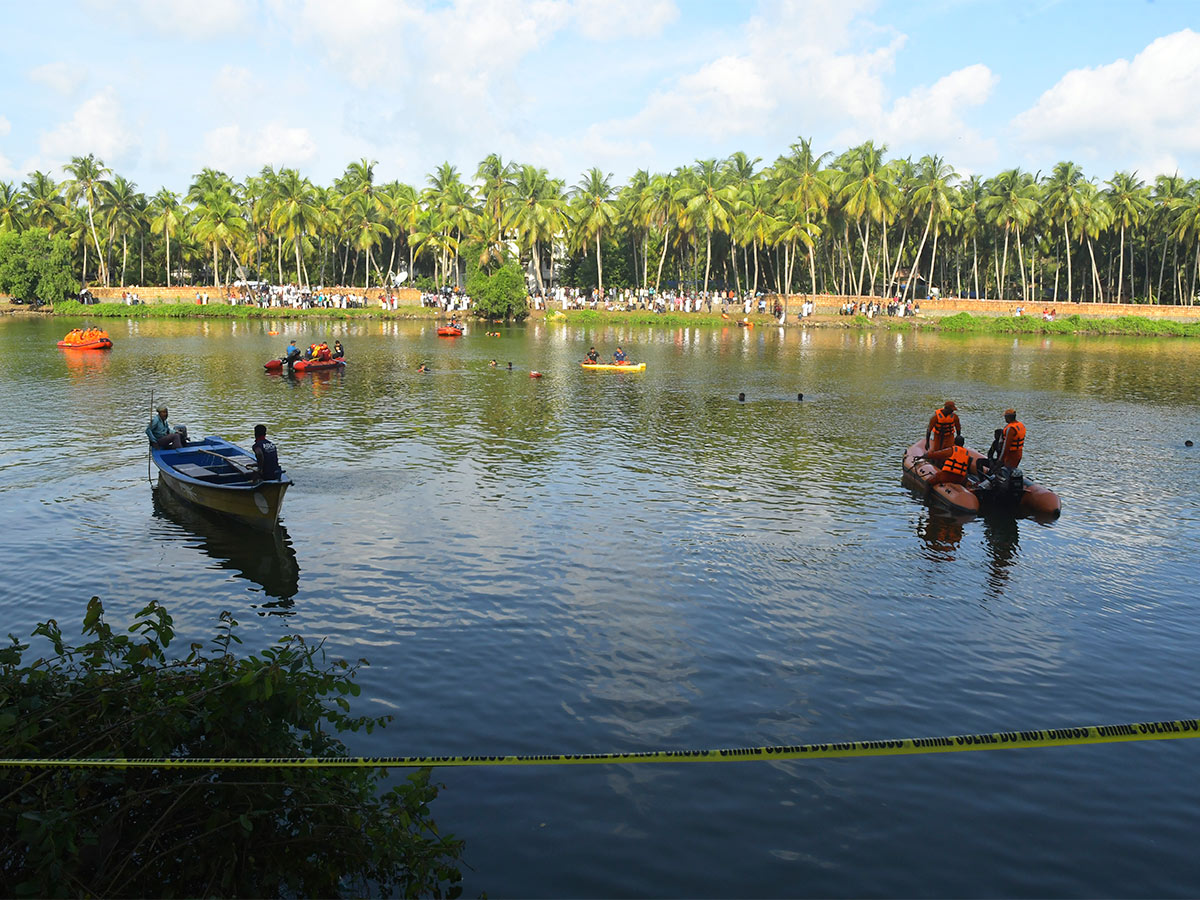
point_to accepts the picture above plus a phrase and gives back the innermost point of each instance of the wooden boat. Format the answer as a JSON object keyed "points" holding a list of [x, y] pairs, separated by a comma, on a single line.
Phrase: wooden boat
{"points": [[305, 365], [612, 367], [1009, 490], [220, 476], [449, 331]]}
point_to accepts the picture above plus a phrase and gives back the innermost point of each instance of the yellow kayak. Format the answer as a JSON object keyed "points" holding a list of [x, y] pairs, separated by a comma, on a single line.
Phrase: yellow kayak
{"points": [[609, 367]]}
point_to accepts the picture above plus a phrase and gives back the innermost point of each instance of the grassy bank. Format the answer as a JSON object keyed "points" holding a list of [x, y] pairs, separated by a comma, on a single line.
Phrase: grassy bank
{"points": [[966, 323], [222, 311]]}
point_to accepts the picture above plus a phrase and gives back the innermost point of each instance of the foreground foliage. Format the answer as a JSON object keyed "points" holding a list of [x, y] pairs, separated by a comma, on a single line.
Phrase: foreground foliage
{"points": [[191, 832], [1073, 324]]}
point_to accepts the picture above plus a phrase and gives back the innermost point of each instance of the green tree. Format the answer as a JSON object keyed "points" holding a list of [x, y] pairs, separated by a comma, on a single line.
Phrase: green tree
{"points": [[500, 294], [87, 179], [35, 265], [710, 202], [1129, 201], [12, 212], [167, 216]]}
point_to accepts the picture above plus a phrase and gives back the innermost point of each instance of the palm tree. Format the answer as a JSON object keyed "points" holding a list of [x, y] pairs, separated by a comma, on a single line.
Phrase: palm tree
{"points": [[1011, 203], [1061, 197], [1129, 201], [497, 181], [87, 177], [363, 226], [118, 209], [934, 191], [594, 211], [710, 201], [865, 192], [803, 181], [219, 221], [1094, 216], [294, 214], [44, 206], [536, 213], [12, 212], [1169, 192], [1187, 228], [167, 216]]}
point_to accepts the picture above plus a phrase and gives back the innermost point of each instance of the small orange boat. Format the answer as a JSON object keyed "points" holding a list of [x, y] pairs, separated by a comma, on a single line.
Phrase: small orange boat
{"points": [[86, 339], [1006, 490], [449, 331]]}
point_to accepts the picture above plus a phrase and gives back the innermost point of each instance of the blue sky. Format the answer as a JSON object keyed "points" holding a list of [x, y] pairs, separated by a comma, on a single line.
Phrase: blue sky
{"points": [[160, 89]]}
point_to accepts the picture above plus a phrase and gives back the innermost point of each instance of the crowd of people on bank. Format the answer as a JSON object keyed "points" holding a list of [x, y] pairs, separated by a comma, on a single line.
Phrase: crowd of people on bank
{"points": [[871, 308]]}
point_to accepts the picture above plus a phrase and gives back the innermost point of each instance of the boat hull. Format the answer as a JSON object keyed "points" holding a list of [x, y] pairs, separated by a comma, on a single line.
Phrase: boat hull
{"points": [[213, 474], [447, 331], [970, 497], [276, 365], [87, 345], [609, 367]]}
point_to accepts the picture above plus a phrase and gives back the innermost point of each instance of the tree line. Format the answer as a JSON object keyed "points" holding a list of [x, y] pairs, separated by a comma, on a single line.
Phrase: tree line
{"points": [[856, 223]]}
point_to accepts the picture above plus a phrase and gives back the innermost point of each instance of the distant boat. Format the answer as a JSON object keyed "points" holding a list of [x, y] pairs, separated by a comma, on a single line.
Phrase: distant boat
{"points": [[613, 367], [218, 475], [449, 331]]}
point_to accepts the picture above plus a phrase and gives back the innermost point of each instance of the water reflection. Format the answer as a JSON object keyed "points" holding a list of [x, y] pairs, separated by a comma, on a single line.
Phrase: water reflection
{"points": [[941, 531], [1001, 536], [267, 559]]}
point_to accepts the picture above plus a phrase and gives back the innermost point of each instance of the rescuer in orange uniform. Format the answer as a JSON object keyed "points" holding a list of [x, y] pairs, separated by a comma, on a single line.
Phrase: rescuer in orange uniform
{"points": [[944, 426], [1014, 440], [954, 469]]}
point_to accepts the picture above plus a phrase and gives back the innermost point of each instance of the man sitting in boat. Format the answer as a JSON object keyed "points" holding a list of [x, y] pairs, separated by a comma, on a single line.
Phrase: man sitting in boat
{"points": [[944, 426], [74, 336], [266, 454], [338, 352], [161, 434], [619, 357], [954, 469], [592, 356], [323, 354]]}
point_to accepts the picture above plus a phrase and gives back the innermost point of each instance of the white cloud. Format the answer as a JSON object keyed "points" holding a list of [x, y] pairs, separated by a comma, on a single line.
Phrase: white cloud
{"points": [[5, 126], [1129, 109], [98, 126], [181, 19], [62, 78], [239, 152], [610, 19], [932, 117]]}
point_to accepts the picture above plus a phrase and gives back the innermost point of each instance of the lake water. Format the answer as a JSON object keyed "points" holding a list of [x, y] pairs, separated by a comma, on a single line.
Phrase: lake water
{"points": [[587, 563]]}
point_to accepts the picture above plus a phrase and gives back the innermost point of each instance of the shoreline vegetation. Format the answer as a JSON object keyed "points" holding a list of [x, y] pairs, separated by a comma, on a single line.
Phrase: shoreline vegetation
{"points": [[959, 323]]}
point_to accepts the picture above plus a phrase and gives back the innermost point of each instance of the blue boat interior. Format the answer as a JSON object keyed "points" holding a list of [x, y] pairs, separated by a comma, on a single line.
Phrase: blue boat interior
{"points": [[222, 464]]}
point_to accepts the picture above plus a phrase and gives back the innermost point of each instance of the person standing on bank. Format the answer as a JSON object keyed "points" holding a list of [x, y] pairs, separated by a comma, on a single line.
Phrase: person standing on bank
{"points": [[162, 436], [944, 426], [1013, 447], [266, 454]]}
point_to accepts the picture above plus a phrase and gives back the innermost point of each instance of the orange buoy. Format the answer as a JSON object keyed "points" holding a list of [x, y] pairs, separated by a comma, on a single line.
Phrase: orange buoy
{"points": [[535, 374], [272, 333]]}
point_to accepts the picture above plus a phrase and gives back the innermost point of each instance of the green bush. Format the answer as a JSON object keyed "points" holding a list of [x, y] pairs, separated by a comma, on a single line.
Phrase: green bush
{"points": [[34, 265], [500, 295], [171, 832]]}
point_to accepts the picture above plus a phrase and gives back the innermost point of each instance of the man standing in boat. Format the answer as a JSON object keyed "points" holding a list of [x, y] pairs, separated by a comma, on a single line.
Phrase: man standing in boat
{"points": [[266, 454], [162, 436], [1014, 440], [944, 426]]}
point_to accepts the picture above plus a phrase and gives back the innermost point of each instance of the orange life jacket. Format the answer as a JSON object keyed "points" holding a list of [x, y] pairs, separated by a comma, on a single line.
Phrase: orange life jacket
{"points": [[957, 462], [944, 424], [1014, 434]]}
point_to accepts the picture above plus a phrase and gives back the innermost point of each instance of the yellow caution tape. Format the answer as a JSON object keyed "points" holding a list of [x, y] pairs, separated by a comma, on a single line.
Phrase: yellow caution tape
{"points": [[999, 740]]}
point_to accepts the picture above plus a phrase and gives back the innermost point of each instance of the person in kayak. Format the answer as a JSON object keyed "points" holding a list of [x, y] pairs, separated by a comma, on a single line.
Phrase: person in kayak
{"points": [[338, 352], [954, 469], [592, 356], [161, 434], [619, 357], [944, 426], [1014, 440], [267, 455]]}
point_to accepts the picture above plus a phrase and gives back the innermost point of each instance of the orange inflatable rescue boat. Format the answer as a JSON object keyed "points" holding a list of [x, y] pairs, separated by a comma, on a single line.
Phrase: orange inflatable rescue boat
{"points": [[1007, 489], [86, 339]]}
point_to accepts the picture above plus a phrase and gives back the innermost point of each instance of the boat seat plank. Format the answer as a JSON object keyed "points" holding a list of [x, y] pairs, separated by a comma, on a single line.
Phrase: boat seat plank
{"points": [[193, 471]]}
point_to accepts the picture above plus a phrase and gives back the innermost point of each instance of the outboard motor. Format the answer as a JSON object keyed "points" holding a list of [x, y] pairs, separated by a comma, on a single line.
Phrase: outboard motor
{"points": [[1009, 483], [182, 429]]}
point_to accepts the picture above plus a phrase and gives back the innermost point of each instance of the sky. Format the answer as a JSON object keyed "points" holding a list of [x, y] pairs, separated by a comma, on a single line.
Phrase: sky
{"points": [[158, 89]]}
